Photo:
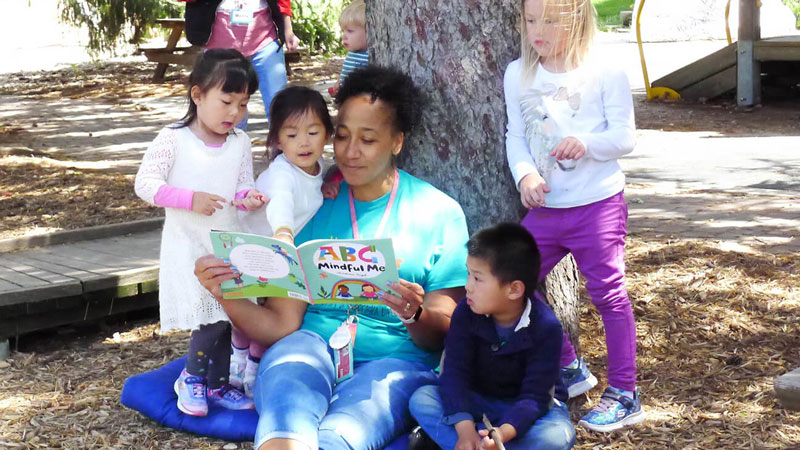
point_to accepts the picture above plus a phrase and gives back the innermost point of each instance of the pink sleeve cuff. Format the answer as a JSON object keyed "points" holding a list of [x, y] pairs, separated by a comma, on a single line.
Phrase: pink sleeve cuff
{"points": [[173, 197], [240, 195]]}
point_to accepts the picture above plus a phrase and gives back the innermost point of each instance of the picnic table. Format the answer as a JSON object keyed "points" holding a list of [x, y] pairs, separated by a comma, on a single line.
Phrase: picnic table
{"points": [[172, 54]]}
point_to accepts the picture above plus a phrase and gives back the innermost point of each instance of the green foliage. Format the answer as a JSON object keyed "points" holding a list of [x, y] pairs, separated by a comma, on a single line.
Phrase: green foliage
{"points": [[794, 5], [316, 23], [111, 22], [608, 11]]}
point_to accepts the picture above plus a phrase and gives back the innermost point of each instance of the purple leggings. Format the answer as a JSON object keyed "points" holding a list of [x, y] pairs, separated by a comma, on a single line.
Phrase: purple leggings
{"points": [[595, 235]]}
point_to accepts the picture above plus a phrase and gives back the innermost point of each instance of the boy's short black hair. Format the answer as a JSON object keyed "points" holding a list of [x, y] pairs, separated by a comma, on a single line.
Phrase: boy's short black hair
{"points": [[391, 86], [511, 253]]}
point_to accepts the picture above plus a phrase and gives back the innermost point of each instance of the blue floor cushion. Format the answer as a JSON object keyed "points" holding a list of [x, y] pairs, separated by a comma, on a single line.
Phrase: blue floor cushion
{"points": [[152, 394]]}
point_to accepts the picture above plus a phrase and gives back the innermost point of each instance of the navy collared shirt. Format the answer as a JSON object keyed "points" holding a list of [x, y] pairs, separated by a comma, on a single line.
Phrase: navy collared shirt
{"points": [[524, 369]]}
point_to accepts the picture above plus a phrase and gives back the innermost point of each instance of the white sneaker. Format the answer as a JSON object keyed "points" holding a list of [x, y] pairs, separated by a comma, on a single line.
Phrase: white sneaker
{"points": [[249, 380], [238, 364]]}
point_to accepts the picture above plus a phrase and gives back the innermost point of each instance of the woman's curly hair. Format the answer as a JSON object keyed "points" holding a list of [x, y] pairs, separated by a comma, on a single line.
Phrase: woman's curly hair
{"points": [[389, 85]]}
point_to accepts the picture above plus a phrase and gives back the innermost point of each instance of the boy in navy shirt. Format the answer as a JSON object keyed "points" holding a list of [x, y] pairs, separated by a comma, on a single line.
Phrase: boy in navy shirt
{"points": [[501, 356]]}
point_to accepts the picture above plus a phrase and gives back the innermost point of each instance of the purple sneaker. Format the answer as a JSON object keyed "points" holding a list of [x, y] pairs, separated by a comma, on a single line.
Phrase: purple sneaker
{"points": [[191, 392], [229, 397]]}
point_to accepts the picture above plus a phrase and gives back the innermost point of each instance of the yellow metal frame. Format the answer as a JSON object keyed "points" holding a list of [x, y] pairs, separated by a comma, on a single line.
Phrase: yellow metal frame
{"points": [[727, 24], [652, 92]]}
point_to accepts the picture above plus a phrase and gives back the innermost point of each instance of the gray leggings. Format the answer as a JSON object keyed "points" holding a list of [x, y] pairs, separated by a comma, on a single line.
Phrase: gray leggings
{"points": [[210, 353]]}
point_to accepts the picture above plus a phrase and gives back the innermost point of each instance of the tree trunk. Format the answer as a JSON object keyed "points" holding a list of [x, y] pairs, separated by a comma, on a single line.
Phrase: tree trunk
{"points": [[457, 53], [561, 291]]}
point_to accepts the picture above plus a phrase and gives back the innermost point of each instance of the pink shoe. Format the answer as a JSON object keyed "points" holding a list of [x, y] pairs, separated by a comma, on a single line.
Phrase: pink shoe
{"points": [[191, 392], [229, 397]]}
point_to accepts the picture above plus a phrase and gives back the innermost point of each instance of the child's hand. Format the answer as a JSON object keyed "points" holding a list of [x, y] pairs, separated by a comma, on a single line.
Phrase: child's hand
{"points": [[252, 201], [468, 438], [488, 443], [205, 203], [532, 188], [334, 89], [285, 237], [569, 148], [468, 444], [330, 189]]}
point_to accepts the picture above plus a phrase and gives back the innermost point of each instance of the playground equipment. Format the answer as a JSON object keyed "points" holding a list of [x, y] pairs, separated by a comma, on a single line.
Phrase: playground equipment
{"points": [[735, 67], [653, 91]]}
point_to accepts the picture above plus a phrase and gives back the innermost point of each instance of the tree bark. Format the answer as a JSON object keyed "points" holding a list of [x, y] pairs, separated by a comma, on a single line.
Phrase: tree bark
{"points": [[561, 290], [457, 53]]}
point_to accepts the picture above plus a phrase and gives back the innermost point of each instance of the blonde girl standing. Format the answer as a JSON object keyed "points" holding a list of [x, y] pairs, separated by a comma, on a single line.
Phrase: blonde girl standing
{"points": [[570, 117]]}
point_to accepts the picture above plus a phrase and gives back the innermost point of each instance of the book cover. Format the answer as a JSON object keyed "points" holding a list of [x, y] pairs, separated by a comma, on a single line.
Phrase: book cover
{"points": [[351, 271]]}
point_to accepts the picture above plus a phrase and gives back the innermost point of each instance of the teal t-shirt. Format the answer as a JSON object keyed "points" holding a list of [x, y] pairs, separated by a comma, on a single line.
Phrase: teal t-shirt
{"points": [[429, 234]]}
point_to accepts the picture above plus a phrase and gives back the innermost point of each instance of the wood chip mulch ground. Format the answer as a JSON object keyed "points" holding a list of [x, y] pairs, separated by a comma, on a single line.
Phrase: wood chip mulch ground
{"points": [[715, 328], [39, 195]]}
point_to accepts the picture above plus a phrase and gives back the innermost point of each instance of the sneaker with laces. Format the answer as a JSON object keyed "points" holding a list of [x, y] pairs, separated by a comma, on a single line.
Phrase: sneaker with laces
{"points": [[229, 397], [191, 392], [249, 379], [238, 364], [614, 411], [578, 380]]}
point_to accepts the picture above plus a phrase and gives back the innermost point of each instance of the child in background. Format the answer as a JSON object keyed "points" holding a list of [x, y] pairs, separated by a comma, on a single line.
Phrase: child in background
{"points": [[570, 117], [199, 169], [501, 356], [299, 128], [353, 21]]}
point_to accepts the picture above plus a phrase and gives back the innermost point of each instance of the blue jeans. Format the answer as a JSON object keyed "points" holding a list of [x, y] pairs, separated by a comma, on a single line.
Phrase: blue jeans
{"points": [[270, 67], [297, 398], [552, 431]]}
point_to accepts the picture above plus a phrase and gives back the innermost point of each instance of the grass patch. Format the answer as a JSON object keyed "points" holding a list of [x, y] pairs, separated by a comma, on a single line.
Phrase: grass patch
{"points": [[608, 12]]}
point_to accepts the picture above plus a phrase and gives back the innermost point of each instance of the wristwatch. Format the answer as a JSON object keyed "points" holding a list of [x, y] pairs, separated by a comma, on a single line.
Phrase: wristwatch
{"points": [[413, 318]]}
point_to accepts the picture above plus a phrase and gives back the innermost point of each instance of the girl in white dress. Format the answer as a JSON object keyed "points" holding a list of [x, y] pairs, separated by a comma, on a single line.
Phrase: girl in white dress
{"points": [[299, 128], [200, 170]]}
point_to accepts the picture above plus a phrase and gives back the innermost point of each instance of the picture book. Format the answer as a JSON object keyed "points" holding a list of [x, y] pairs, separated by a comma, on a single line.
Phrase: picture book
{"points": [[351, 271]]}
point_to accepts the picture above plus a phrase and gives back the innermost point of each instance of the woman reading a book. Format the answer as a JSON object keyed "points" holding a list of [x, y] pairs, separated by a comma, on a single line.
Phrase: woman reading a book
{"points": [[340, 376]]}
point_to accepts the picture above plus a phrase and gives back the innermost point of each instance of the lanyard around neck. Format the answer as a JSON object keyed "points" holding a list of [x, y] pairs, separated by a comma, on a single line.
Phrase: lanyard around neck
{"points": [[386, 212]]}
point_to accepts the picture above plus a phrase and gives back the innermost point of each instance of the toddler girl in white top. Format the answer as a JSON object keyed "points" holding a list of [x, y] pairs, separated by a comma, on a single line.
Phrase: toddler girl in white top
{"points": [[299, 128], [199, 170], [570, 117]]}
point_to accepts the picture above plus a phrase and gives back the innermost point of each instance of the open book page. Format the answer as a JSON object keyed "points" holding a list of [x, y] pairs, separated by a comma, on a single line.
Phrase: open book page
{"points": [[268, 267]]}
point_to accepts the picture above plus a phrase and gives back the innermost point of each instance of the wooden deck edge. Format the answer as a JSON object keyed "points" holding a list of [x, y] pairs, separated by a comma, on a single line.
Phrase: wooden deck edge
{"points": [[144, 279], [787, 388], [83, 234], [84, 309], [39, 293]]}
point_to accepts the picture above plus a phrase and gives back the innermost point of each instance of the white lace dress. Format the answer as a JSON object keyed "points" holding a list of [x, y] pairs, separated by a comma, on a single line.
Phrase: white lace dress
{"points": [[180, 159]]}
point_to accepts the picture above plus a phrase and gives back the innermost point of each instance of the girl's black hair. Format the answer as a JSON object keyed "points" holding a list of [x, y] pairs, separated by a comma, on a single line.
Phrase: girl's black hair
{"points": [[223, 67], [390, 86], [511, 253], [291, 102]]}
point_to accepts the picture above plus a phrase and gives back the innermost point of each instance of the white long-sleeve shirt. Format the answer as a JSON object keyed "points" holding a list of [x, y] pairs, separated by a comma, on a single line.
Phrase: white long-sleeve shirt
{"points": [[592, 103], [294, 197]]}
